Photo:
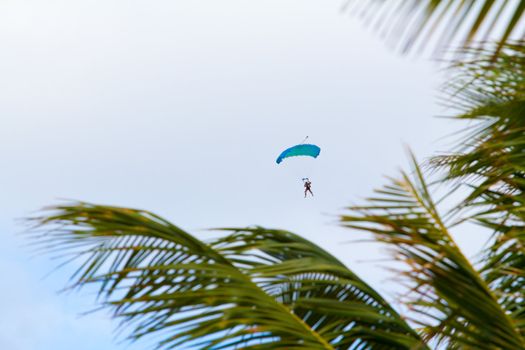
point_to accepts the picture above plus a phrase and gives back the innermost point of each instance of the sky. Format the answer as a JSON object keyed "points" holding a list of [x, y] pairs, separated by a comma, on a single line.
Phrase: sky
{"points": [[181, 107]]}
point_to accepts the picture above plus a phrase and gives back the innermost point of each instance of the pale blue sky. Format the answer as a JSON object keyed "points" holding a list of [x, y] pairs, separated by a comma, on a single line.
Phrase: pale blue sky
{"points": [[181, 107]]}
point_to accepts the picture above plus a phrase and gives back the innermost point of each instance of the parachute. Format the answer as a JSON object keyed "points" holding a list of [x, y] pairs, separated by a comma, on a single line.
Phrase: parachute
{"points": [[304, 149]]}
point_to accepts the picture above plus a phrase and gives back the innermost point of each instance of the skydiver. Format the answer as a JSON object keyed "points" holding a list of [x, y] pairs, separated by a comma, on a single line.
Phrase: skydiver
{"points": [[307, 187]]}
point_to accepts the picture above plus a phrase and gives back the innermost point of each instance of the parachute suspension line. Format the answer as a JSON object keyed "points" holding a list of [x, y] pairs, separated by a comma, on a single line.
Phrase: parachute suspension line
{"points": [[306, 138]]}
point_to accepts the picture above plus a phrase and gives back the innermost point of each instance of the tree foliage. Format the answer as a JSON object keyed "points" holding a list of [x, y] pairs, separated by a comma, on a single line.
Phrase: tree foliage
{"points": [[252, 289], [490, 163], [413, 24], [450, 298]]}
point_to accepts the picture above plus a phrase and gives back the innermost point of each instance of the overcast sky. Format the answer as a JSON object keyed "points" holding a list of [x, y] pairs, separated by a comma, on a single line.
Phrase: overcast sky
{"points": [[181, 107]]}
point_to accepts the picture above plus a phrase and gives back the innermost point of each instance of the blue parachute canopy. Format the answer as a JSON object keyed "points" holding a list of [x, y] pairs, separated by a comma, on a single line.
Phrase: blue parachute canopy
{"points": [[303, 149]]}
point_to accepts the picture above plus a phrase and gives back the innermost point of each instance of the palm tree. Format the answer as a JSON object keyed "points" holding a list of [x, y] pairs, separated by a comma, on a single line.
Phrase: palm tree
{"points": [[257, 288], [253, 288]]}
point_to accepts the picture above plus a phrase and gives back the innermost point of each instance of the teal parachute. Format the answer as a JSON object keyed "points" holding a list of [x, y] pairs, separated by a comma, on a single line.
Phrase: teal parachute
{"points": [[304, 149]]}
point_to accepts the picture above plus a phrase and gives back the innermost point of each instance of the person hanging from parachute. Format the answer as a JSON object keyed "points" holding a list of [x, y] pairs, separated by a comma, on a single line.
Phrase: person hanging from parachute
{"points": [[301, 150], [307, 187]]}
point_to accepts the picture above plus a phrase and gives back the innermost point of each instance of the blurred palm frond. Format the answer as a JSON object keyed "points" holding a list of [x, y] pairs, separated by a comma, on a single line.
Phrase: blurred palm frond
{"points": [[415, 24], [454, 305]]}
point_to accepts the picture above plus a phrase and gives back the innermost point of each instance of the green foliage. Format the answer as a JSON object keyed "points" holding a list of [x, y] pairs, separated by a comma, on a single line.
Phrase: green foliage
{"points": [[452, 302], [414, 23], [490, 161], [251, 289]]}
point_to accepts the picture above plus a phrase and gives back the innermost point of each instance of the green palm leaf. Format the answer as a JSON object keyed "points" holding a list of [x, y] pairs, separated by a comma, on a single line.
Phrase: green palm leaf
{"points": [[416, 23], [450, 298], [491, 161], [252, 289], [320, 289]]}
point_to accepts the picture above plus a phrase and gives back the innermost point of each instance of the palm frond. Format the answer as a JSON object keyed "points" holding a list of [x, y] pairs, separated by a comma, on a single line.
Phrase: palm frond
{"points": [[491, 162], [455, 306], [319, 289], [253, 289], [415, 23]]}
